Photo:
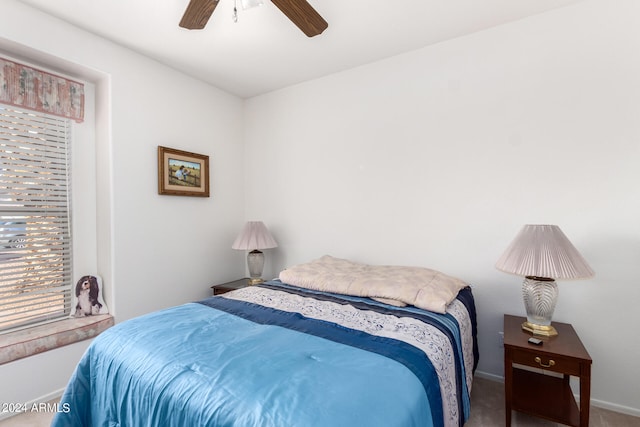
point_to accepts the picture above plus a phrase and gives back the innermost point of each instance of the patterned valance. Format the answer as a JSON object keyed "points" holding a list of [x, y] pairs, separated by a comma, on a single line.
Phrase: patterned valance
{"points": [[34, 89]]}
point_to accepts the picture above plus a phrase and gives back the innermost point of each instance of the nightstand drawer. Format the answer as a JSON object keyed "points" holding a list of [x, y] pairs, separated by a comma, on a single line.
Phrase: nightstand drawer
{"points": [[537, 359]]}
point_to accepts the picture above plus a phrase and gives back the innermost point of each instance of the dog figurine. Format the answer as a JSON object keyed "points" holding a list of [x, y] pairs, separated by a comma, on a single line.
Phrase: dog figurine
{"points": [[87, 291]]}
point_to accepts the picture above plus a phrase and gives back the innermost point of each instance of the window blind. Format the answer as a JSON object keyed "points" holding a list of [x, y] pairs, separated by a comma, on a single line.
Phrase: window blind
{"points": [[35, 226]]}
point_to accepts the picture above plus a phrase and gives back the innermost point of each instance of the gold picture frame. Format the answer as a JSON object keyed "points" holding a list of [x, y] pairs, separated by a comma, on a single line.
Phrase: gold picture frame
{"points": [[182, 173]]}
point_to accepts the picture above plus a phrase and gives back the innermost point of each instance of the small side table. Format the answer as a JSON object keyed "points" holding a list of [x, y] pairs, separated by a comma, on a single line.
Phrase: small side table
{"points": [[229, 286], [541, 395]]}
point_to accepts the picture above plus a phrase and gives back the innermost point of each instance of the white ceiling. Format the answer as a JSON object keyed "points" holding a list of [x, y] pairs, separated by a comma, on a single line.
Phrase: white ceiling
{"points": [[264, 51]]}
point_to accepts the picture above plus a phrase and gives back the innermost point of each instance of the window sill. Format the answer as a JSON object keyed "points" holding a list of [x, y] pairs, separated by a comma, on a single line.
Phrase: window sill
{"points": [[27, 342]]}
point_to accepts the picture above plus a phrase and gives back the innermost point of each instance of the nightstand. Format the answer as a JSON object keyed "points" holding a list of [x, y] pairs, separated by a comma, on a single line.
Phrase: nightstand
{"points": [[229, 286], [537, 391]]}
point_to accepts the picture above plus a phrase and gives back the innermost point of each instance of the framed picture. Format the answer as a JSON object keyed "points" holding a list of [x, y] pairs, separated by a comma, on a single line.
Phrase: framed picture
{"points": [[181, 173]]}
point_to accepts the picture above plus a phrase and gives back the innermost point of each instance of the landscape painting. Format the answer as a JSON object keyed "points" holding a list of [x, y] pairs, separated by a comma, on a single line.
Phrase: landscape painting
{"points": [[182, 173]]}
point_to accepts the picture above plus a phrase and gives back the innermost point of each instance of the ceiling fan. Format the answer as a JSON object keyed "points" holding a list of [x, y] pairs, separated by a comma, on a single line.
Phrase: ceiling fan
{"points": [[300, 12]]}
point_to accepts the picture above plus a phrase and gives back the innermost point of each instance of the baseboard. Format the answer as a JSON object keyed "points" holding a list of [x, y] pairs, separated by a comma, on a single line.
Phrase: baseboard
{"points": [[616, 408], [488, 376], [595, 402], [54, 395]]}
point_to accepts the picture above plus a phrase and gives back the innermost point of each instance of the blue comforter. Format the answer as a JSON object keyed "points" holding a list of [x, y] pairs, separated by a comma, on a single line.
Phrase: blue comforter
{"points": [[231, 361]]}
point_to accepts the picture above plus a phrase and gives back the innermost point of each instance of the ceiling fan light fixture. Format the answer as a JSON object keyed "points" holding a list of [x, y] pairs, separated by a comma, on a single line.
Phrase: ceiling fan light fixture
{"points": [[249, 4]]}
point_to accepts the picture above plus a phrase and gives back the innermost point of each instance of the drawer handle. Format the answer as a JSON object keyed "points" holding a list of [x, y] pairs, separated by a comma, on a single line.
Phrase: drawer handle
{"points": [[548, 365]]}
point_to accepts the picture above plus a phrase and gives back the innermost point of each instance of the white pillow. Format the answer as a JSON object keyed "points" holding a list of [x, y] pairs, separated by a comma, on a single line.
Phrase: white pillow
{"points": [[418, 286]]}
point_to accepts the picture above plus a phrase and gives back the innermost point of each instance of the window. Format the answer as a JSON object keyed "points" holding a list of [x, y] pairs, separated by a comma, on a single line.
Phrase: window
{"points": [[35, 234]]}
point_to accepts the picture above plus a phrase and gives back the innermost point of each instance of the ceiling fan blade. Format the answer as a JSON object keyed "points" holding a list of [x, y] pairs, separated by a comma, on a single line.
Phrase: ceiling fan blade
{"points": [[303, 15], [197, 14]]}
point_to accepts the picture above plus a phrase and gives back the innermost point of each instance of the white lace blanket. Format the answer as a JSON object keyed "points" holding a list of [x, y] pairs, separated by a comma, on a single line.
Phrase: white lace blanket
{"points": [[421, 287]]}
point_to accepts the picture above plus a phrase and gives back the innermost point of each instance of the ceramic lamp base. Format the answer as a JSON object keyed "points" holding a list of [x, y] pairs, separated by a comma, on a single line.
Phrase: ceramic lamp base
{"points": [[255, 262], [540, 296]]}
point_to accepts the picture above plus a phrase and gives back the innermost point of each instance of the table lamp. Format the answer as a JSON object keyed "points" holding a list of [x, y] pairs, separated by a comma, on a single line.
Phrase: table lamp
{"points": [[542, 253], [253, 237]]}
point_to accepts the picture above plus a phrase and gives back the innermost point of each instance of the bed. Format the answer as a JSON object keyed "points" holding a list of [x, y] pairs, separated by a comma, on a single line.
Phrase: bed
{"points": [[333, 352]]}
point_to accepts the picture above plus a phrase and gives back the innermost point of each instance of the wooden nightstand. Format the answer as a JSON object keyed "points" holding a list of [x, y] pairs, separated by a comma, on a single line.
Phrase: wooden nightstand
{"points": [[539, 393], [229, 286]]}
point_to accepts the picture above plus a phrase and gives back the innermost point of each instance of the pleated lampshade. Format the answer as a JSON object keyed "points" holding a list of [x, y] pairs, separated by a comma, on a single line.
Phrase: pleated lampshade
{"points": [[254, 235], [544, 251]]}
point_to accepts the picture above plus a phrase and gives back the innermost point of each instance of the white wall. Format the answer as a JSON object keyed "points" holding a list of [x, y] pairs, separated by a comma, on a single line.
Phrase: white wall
{"points": [[438, 157], [153, 251]]}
